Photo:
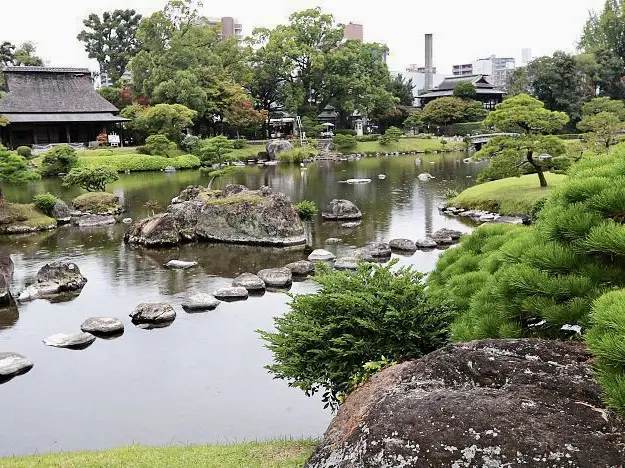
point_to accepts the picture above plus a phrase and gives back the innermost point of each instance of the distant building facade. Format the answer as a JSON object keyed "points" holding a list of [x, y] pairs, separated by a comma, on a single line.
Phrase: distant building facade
{"points": [[230, 27], [353, 32], [46, 105], [414, 68], [526, 56], [462, 69], [498, 68], [486, 92], [419, 82]]}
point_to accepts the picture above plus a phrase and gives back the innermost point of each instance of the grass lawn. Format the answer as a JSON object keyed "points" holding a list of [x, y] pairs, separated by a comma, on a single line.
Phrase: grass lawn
{"points": [[255, 454], [407, 144], [513, 196]]}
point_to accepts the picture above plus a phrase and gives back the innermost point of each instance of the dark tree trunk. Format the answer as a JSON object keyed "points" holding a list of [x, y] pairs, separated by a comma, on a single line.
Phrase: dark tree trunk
{"points": [[538, 167]]}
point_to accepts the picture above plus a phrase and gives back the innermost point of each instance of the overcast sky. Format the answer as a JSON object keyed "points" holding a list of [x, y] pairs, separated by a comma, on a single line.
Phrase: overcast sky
{"points": [[463, 30]]}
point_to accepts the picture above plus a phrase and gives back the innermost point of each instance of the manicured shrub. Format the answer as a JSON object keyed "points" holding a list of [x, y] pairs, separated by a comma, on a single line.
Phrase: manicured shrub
{"points": [[59, 160], [24, 151], [306, 209], [92, 180], [14, 168], [298, 155], [136, 162], [375, 313], [345, 131], [190, 143], [369, 137], [344, 143], [96, 202], [240, 143], [159, 145], [45, 202], [391, 135]]}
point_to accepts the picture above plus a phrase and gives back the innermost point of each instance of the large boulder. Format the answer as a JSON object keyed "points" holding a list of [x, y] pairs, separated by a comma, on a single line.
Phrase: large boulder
{"points": [[54, 278], [341, 210], [260, 217], [12, 364], [158, 230], [275, 147], [6, 275], [484, 403], [61, 212]]}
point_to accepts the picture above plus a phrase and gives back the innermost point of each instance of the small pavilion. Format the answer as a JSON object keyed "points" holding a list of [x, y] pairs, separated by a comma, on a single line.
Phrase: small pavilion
{"points": [[486, 92]]}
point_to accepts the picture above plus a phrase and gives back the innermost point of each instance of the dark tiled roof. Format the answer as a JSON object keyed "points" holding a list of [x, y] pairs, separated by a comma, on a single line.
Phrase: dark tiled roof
{"points": [[63, 118], [449, 92], [480, 81], [51, 90], [46, 69]]}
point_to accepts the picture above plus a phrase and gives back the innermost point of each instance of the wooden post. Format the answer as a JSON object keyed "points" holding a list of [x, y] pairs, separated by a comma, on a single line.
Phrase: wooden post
{"points": [[35, 135], [67, 135]]}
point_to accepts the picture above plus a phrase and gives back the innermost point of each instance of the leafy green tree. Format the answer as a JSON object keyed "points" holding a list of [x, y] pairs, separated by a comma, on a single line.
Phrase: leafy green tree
{"points": [[59, 160], [14, 168], [414, 121], [111, 40], [528, 116], [25, 55], [159, 145], [556, 81], [344, 142], [214, 150], [377, 312], [465, 90], [604, 128], [605, 30], [517, 82], [241, 115], [391, 135], [604, 104], [401, 88], [92, 180], [166, 119], [448, 110]]}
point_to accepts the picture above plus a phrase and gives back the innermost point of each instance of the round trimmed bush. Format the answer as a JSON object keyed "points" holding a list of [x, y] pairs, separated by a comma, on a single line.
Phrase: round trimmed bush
{"points": [[45, 202], [24, 151], [96, 202]]}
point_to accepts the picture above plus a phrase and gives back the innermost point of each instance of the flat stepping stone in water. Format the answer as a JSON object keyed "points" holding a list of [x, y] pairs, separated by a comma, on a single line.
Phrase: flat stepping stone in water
{"points": [[301, 268], [442, 240], [180, 264], [455, 235], [405, 245], [12, 364], [321, 255], [200, 302], [276, 277], [379, 249], [250, 282], [351, 225], [333, 240], [78, 340], [94, 221], [346, 263], [425, 243], [238, 293], [102, 326], [153, 312]]}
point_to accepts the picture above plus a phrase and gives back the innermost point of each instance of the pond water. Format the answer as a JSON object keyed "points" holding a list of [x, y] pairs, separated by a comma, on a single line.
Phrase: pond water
{"points": [[200, 380]]}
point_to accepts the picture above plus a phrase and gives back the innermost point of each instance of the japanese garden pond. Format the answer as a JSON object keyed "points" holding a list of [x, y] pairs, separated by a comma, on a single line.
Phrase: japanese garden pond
{"points": [[200, 380]]}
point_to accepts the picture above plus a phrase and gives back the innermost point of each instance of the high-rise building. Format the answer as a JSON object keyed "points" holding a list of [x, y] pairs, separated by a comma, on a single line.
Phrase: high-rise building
{"points": [[526, 56], [353, 32], [230, 27], [415, 68], [462, 69]]}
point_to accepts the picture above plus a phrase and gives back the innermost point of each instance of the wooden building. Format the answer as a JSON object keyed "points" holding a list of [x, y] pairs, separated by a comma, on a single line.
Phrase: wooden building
{"points": [[53, 105], [486, 92]]}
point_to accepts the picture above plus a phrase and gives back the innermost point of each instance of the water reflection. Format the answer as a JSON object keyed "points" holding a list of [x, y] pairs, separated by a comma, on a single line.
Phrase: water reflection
{"points": [[201, 379]]}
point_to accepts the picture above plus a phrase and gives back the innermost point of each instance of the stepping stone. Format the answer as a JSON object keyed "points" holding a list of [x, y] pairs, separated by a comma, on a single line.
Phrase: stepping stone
{"points": [[333, 240], [321, 255], [276, 277], [346, 263], [102, 325], [425, 243], [250, 282], [157, 312], [455, 235], [301, 268], [78, 340], [351, 224], [237, 293], [127, 220], [379, 249], [405, 245], [12, 364], [200, 302], [180, 264]]}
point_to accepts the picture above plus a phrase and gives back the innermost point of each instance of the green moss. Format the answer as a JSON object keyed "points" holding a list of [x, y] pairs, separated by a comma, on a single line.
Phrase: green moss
{"points": [[287, 453], [96, 202], [240, 198], [16, 217], [513, 196]]}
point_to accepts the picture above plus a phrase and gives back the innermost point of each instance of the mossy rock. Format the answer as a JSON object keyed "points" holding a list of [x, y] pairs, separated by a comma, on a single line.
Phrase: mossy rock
{"points": [[96, 202], [16, 218]]}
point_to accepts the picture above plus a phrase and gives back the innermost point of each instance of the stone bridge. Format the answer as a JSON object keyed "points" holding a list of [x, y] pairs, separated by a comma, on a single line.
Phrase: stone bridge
{"points": [[479, 140]]}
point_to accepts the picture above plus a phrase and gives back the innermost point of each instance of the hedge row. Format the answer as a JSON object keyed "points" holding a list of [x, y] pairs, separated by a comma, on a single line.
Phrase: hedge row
{"points": [[139, 162]]}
